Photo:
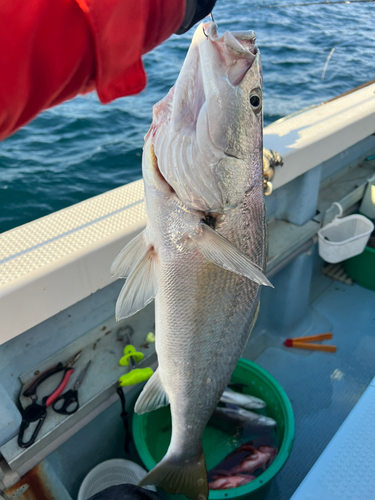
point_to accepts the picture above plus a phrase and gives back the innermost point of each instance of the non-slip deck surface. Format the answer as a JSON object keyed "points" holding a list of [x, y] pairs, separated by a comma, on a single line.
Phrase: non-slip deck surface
{"points": [[323, 387], [346, 468]]}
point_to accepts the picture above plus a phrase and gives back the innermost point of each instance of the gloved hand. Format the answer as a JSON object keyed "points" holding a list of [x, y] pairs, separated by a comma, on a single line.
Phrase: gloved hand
{"points": [[195, 11]]}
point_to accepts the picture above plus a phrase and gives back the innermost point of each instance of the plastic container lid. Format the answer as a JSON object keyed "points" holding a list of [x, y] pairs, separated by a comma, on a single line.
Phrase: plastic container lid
{"points": [[111, 473]]}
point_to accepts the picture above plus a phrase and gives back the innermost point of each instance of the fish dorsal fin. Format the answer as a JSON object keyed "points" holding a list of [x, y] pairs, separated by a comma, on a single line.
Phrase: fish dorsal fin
{"points": [[128, 257], [220, 251], [139, 288], [152, 397]]}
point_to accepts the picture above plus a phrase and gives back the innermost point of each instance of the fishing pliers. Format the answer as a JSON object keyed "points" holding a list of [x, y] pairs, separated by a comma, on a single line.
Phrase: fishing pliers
{"points": [[37, 412]]}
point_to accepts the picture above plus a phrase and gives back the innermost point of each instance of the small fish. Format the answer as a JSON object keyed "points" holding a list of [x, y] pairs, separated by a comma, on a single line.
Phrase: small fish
{"points": [[260, 458], [230, 419], [244, 400], [228, 482]]}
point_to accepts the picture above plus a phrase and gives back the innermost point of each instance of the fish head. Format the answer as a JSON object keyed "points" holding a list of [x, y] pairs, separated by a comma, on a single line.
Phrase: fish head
{"points": [[232, 85], [208, 131]]}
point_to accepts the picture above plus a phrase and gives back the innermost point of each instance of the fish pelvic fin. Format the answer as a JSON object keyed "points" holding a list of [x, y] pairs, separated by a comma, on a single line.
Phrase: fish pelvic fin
{"points": [[128, 257], [140, 286], [177, 475], [220, 251], [152, 397]]}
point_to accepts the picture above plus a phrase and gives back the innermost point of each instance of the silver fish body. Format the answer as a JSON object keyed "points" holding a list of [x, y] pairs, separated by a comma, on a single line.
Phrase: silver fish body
{"points": [[244, 400], [231, 419], [203, 253]]}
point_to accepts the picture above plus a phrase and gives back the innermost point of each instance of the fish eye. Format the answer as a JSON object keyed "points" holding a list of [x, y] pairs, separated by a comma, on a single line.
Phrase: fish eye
{"points": [[255, 101]]}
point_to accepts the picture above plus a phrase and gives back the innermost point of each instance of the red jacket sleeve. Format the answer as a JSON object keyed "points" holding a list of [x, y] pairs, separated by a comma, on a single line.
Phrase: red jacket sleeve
{"points": [[52, 50]]}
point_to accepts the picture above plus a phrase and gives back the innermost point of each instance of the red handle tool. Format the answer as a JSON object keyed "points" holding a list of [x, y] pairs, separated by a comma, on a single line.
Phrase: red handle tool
{"points": [[61, 387]]}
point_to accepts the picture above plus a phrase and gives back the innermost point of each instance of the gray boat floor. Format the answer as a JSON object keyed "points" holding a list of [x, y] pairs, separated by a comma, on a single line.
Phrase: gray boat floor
{"points": [[323, 387]]}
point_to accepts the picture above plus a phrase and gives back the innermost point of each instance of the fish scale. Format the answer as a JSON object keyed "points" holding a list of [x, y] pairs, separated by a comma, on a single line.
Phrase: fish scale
{"points": [[205, 277]]}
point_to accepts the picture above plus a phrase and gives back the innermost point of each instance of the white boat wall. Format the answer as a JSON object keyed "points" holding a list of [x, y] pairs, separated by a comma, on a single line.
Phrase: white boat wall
{"points": [[57, 296]]}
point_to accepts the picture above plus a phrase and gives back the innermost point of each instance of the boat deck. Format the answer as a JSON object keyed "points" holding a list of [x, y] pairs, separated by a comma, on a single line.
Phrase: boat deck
{"points": [[323, 387]]}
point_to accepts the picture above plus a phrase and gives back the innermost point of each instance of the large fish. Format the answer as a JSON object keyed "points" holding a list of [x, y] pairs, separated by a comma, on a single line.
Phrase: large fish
{"points": [[203, 252]]}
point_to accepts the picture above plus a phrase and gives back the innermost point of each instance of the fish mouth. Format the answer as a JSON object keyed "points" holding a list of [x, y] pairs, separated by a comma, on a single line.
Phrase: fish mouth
{"points": [[240, 42], [235, 51]]}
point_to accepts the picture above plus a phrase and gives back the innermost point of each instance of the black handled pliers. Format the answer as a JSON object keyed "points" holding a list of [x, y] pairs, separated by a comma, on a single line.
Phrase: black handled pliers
{"points": [[37, 412]]}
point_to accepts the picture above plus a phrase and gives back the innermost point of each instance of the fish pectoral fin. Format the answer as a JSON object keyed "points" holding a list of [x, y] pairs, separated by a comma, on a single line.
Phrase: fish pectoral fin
{"points": [[152, 397], [220, 251], [128, 257], [176, 474], [140, 286]]}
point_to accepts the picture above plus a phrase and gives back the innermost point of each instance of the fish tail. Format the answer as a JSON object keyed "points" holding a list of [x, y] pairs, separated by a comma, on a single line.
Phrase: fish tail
{"points": [[175, 474]]}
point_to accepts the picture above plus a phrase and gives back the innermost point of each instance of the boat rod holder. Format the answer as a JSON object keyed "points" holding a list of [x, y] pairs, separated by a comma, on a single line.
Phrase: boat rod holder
{"points": [[271, 159]]}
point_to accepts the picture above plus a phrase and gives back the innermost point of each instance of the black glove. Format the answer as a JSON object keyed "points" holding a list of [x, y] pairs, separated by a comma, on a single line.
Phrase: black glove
{"points": [[195, 11]]}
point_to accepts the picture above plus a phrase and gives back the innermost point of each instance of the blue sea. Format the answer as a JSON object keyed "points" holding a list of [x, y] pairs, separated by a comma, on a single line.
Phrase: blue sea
{"points": [[83, 148]]}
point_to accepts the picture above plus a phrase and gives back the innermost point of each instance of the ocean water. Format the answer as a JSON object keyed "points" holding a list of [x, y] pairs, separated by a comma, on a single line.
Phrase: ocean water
{"points": [[82, 148]]}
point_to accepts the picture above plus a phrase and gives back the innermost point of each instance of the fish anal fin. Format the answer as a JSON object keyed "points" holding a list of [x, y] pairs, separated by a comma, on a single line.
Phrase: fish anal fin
{"points": [[128, 257], [152, 397], [220, 251], [140, 286], [178, 475]]}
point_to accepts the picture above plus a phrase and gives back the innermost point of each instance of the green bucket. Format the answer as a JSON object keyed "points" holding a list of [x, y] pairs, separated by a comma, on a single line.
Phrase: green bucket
{"points": [[152, 432], [361, 268]]}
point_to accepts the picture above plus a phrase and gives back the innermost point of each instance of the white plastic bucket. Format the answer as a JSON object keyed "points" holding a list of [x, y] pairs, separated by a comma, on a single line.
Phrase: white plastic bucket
{"points": [[111, 473], [344, 238]]}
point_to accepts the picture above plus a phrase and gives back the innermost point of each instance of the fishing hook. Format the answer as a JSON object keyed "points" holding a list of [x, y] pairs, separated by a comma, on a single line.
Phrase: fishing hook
{"points": [[213, 20]]}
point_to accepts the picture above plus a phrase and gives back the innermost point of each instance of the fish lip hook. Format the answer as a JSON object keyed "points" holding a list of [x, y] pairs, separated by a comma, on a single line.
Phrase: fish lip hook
{"points": [[213, 20]]}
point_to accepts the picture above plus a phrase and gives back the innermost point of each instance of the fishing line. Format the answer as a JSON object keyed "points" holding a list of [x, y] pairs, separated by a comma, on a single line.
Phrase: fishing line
{"points": [[305, 4], [340, 42], [323, 2]]}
